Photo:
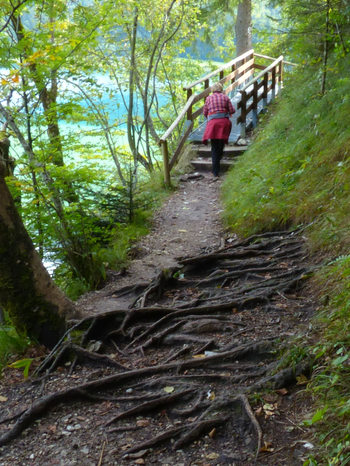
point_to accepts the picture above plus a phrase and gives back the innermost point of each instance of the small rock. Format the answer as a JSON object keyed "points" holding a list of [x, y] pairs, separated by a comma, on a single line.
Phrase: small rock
{"points": [[242, 142], [308, 445], [85, 450], [140, 461]]}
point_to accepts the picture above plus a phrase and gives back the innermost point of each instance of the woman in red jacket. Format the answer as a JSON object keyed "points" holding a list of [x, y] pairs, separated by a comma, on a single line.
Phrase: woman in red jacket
{"points": [[217, 109]]}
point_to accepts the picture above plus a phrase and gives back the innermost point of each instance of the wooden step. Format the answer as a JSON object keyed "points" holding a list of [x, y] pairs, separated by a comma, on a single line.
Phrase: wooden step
{"points": [[229, 151], [203, 164]]}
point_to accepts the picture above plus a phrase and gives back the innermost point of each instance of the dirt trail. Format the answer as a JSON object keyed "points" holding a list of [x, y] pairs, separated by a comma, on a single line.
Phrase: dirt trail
{"points": [[191, 374], [187, 224]]}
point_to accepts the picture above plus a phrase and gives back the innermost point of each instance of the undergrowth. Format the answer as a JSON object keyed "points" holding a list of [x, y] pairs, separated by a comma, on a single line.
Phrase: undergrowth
{"points": [[10, 343], [115, 254], [296, 172]]}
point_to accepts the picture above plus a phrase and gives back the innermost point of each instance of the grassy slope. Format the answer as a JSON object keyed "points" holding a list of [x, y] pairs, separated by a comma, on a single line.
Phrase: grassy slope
{"points": [[298, 171]]}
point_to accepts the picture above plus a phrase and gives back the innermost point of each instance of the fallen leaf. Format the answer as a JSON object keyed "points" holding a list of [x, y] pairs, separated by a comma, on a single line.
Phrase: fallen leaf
{"points": [[282, 391], [212, 456], [212, 433], [198, 356], [267, 447], [282, 305], [302, 380], [258, 412], [142, 423], [3, 398], [211, 395], [192, 419], [169, 389], [182, 231], [269, 409]]}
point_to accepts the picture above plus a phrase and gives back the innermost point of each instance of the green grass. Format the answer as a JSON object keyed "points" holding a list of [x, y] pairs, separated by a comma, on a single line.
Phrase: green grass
{"points": [[10, 344], [297, 171]]}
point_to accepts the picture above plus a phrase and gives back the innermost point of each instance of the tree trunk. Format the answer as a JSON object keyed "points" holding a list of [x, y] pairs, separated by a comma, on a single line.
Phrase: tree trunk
{"points": [[243, 27], [34, 303], [6, 161]]}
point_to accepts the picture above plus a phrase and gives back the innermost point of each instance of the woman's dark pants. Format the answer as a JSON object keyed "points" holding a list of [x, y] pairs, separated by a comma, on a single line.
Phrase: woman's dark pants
{"points": [[217, 150]]}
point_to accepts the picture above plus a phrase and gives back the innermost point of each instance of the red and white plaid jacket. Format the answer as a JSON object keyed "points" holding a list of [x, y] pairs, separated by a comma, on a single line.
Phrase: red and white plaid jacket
{"points": [[218, 102]]}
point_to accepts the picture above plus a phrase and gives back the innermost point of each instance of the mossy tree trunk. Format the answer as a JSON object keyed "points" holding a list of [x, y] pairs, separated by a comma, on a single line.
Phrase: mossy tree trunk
{"points": [[35, 304]]}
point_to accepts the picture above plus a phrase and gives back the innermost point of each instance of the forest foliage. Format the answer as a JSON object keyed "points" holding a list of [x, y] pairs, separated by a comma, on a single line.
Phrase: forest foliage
{"points": [[88, 87], [85, 90]]}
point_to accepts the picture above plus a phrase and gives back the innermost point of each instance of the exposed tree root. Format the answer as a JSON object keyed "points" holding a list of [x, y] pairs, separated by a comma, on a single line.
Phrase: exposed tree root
{"points": [[253, 420], [84, 355], [169, 434], [150, 405], [199, 428], [219, 321]]}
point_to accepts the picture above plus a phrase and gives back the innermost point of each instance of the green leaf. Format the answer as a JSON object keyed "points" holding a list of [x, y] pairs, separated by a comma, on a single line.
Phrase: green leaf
{"points": [[339, 361], [22, 364], [318, 416]]}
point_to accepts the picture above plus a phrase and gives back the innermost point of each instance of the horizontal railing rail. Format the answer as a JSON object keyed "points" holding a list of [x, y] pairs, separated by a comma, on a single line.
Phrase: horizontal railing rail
{"points": [[221, 69]]}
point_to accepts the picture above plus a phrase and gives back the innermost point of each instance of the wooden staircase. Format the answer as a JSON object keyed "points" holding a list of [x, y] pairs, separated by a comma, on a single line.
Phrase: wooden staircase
{"points": [[203, 160], [250, 96]]}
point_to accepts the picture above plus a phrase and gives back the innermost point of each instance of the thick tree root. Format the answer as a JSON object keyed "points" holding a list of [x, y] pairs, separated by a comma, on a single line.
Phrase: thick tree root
{"points": [[150, 405]]}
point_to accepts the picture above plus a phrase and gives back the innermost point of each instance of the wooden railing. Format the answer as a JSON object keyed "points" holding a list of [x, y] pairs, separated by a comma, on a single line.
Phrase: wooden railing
{"points": [[234, 73], [269, 79]]}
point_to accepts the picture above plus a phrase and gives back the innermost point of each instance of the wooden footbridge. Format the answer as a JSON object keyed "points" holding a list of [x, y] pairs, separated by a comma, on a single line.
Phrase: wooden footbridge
{"points": [[248, 81]]}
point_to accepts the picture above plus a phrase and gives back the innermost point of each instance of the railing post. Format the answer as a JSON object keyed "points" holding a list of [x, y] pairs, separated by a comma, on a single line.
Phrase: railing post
{"points": [[206, 85], [233, 68], [273, 71], [265, 91], [243, 117], [255, 104], [164, 146], [245, 71], [280, 76], [189, 111]]}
